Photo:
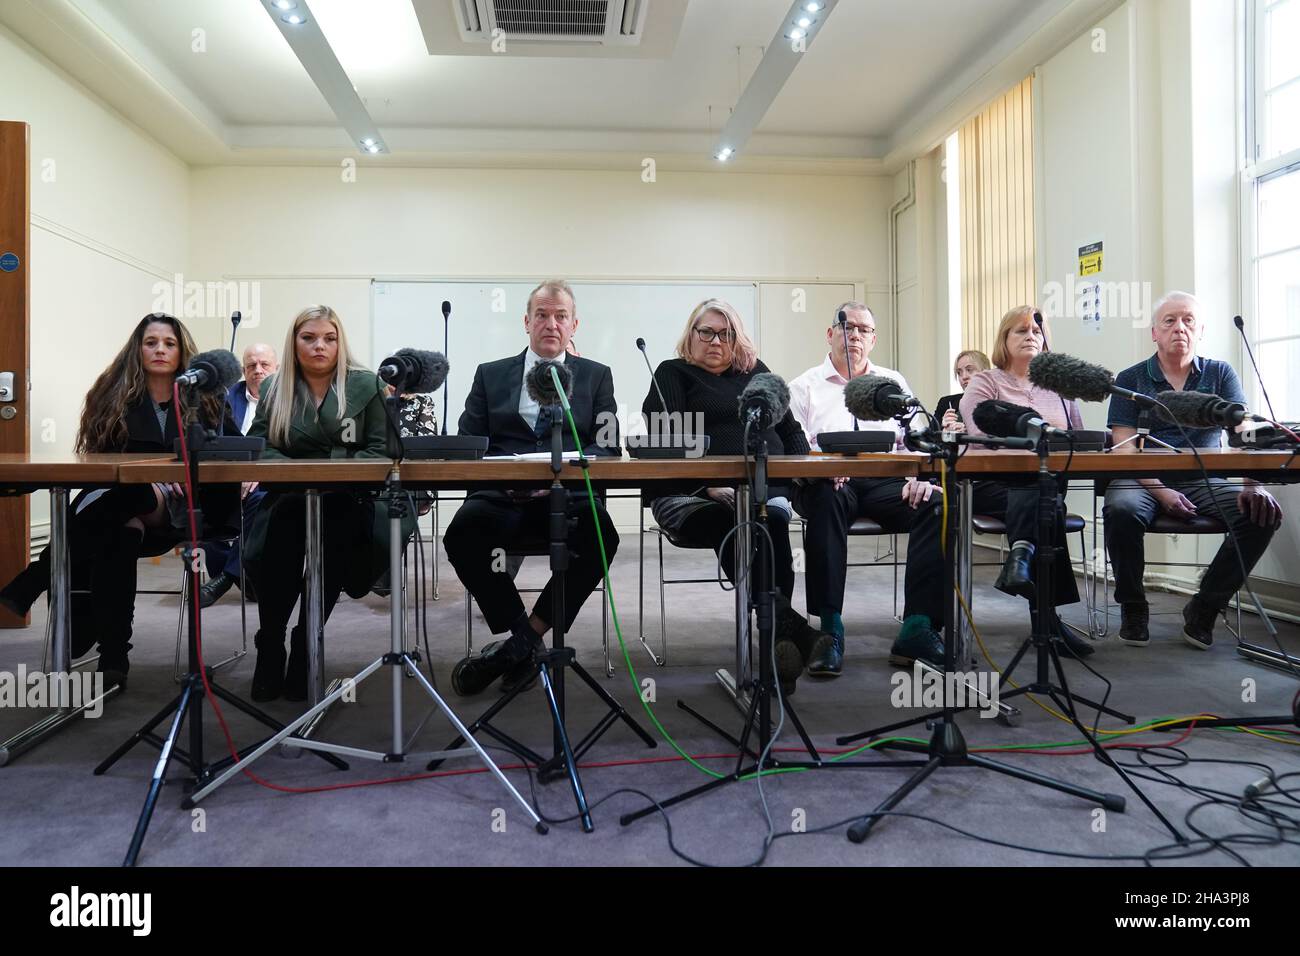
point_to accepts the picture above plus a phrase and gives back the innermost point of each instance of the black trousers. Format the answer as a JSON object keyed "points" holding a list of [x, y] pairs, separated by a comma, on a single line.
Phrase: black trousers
{"points": [[346, 523], [829, 513], [490, 524], [1017, 506], [1129, 511], [709, 524]]}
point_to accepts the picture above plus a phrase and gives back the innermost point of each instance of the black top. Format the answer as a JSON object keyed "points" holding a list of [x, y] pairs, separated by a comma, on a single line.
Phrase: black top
{"points": [[945, 403], [694, 392], [143, 433], [492, 408]]}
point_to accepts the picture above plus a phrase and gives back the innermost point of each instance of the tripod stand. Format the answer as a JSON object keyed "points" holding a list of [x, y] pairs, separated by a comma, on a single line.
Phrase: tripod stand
{"points": [[947, 746], [187, 706], [551, 664], [399, 661], [765, 690]]}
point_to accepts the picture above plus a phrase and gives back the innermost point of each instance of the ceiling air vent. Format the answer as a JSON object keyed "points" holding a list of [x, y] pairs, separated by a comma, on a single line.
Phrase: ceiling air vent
{"points": [[611, 22]]}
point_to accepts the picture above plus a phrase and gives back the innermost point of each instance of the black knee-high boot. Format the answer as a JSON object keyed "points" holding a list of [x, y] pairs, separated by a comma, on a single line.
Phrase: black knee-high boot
{"points": [[112, 600]]}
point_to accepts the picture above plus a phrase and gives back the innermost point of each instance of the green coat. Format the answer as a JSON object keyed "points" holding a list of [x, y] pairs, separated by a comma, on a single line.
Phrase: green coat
{"points": [[359, 433]]}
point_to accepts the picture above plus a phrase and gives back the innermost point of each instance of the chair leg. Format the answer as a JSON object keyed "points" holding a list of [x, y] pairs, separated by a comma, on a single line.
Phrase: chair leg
{"points": [[663, 608], [893, 546], [177, 673], [469, 624], [436, 525]]}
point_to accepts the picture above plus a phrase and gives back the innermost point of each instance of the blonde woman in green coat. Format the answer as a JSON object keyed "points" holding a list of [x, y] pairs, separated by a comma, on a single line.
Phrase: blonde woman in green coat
{"points": [[321, 404]]}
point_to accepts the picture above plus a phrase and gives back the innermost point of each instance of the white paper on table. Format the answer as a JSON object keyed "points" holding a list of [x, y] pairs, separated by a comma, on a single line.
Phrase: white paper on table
{"points": [[533, 456]]}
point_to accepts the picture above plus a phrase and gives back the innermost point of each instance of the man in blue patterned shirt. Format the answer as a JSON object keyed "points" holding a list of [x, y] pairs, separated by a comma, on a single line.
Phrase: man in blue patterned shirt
{"points": [[1131, 505]]}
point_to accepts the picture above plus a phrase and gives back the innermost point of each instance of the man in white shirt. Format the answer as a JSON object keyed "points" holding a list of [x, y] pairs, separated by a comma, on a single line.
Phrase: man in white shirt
{"points": [[830, 506]]}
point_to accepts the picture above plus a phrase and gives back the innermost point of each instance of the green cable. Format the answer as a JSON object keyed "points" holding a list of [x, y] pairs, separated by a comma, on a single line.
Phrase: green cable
{"points": [[645, 704], [618, 630]]}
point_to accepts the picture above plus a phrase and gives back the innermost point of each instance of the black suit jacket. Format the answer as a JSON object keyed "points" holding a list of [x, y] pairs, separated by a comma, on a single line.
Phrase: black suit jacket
{"points": [[492, 408]]}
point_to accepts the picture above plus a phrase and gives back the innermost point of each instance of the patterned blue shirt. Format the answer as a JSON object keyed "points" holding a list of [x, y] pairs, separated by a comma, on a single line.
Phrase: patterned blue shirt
{"points": [[1207, 375]]}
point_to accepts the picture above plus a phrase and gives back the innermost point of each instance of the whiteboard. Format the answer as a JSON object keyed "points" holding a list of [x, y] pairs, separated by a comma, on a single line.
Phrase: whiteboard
{"points": [[487, 323]]}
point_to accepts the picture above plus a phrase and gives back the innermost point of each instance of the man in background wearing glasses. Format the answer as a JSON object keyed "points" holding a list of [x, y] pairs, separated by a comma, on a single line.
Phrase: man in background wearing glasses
{"points": [[830, 506]]}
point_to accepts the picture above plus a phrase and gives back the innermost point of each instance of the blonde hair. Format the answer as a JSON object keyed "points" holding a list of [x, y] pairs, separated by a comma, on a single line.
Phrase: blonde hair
{"points": [[1001, 358], [288, 393], [744, 354], [552, 286], [980, 358]]}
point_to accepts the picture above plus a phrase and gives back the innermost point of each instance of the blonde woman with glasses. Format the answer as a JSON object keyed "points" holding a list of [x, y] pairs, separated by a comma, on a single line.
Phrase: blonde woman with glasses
{"points": [[716, 359]]}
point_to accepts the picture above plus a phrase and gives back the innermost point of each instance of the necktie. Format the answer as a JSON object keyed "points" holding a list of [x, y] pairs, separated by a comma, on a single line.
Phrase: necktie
{"points": [[544, 419]]}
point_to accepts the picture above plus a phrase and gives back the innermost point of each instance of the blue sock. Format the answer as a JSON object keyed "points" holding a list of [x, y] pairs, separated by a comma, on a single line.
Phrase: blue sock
{"points": [[833, 624]]}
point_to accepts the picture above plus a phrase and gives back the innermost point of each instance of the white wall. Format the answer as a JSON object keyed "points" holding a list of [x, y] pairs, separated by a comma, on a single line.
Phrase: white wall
{"points": [[110, 218], [1137, 148], [306, 234]]}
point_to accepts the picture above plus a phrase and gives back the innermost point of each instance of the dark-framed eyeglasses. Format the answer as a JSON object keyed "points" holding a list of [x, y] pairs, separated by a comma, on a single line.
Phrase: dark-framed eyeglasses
{"points": [[706, 335]]}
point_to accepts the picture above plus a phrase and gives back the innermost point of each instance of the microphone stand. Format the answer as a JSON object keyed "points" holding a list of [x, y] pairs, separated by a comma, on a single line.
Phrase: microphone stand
{"points": [[551, 663], [187, 705], [763, 600], [947, 746], [848, 359], [398, 659]]}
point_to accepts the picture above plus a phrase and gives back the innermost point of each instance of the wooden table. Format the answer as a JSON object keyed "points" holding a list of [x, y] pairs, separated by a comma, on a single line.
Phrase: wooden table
{"points": [[22, 473], [313, 476]]}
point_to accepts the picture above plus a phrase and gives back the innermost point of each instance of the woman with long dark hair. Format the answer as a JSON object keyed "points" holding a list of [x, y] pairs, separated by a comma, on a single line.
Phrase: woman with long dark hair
{"points": [[129, 408], [321, 404]]}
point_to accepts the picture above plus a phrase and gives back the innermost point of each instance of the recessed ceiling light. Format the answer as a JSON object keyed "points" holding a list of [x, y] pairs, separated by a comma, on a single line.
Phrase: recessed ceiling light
{"points": [[812, 7], [724, 154], [805, 22], [285, 4], [294, 19], [797, 34], [372, 147]]}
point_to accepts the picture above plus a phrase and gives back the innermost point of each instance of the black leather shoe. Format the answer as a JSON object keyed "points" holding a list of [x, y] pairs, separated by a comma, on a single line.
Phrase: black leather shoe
{"points": [[1133, 620], [1017, 575], [917, 640], [827, 656], [1073, 645], [523, 675], [1198, 624], [473, 674], [295, 674], [212, 592], [114, 667], [21, 593], [268, 674]]}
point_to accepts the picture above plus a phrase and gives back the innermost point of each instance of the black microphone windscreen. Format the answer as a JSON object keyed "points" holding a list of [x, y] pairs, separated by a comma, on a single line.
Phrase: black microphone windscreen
{"points": [[446, 309], [1199, 410], [429, 368], [1070, 377], [1001, 419], [640, 343], [1238, 322], [236, 318], [541, 387], [769, 393], [222, 367], [862, 396]]}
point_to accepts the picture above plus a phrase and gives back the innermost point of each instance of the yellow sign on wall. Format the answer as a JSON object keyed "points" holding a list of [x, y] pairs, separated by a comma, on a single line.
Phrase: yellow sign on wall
{"points": [[1090, 259]]}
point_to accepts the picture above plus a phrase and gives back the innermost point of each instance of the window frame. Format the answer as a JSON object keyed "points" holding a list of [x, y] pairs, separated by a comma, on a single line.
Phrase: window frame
{"points": [[1254, 173]]}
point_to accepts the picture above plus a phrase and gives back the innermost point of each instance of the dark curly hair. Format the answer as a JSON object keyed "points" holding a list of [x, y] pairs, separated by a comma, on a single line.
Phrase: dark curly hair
{"points": [[103, 416]]}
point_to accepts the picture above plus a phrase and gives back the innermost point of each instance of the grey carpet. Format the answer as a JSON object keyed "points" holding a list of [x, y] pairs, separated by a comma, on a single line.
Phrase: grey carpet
{"points": [[57, 813]]}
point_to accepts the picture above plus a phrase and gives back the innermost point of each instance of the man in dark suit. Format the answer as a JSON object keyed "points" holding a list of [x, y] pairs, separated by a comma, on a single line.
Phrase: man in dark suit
{"points": [[490, 522], [242, 397]]}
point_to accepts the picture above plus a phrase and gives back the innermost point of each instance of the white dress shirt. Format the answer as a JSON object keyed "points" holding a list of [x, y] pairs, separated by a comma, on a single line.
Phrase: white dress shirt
{"points": [[528, 409], [249, 412], [817, 400]]}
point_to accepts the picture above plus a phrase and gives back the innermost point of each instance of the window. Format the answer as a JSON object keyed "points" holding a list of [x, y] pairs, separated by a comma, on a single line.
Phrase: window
{"points": [[1271, 210]]}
